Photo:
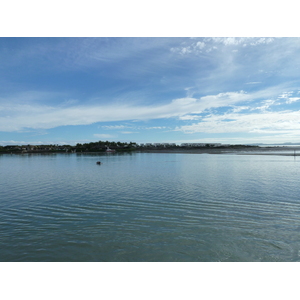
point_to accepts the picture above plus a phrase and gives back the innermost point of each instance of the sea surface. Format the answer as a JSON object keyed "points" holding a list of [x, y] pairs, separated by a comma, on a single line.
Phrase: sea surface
{"points": [[149, 207]]}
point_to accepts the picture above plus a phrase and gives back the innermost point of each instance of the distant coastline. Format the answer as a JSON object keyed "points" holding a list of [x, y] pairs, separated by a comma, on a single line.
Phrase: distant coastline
{"points": [[278, 150], [226, 149]]}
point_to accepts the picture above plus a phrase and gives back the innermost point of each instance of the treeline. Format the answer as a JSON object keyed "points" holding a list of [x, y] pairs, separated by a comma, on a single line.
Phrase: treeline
{"points": [[103, 146], [100, 146]]}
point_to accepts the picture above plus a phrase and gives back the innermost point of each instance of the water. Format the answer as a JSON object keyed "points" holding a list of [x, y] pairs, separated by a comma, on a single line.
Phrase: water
{"points": [[149, 207]]}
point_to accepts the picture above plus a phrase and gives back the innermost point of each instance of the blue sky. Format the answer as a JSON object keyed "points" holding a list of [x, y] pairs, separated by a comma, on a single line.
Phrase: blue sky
{"points": [[77, 90]]}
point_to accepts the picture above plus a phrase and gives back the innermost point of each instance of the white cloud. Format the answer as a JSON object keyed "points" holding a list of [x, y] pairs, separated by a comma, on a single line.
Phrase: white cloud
{"points": [[230, 40], [225, 99], [268, 122], [190, 117], [244, 41], [128, 132], [118, 127], [239, 108], [103, 136], [287, 97], [209, 44], [253, 82], [292, 99], [262, 41], [113, 127], [195, 47], [155, 127], [19, 116], [265, 105], [200, 45], [189, 92]]}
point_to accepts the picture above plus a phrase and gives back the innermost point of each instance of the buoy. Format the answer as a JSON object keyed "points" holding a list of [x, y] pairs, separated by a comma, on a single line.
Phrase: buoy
{"points": [[98, 162]]}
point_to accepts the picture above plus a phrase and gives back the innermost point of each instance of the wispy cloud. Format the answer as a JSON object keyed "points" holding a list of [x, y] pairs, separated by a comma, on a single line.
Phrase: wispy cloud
{"points": [[119, 127], [207, 45], [129, 132], [292, 99], [104, 136], [265, 105], [237, 109], [114, 127], [190, 117], [155, 127], [267, 122], [21, 116], [244, 41]]}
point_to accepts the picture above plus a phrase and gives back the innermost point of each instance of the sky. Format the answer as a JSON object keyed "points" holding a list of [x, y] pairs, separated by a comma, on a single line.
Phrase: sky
{"points": [[149, 90]]}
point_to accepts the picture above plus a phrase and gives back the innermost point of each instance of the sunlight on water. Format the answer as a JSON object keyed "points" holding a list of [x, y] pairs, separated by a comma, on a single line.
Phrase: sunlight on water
{"points": [[149, 207]]}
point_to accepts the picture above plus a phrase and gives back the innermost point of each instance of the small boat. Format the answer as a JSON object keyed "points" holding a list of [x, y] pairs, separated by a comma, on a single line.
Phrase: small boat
{"points": [[110, 150], [98, 162]]}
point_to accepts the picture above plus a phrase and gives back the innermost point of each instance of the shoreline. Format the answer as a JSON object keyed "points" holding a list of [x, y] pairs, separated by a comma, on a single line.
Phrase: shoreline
{"points": [[241, 151], [278, 150]]}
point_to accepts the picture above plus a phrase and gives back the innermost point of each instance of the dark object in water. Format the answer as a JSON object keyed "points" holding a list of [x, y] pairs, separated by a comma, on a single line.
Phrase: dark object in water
{"points": [[98, 162]]}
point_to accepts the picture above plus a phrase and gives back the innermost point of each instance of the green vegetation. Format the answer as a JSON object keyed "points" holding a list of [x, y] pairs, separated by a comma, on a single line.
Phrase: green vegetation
{"points": [[102, 146]]}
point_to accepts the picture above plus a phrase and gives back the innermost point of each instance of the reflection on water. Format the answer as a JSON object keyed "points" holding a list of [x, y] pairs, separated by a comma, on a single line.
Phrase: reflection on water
{"points": [[149, 207]]}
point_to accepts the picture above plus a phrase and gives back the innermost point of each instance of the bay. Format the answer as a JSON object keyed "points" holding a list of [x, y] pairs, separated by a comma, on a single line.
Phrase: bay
{"points": [[149, 207]]}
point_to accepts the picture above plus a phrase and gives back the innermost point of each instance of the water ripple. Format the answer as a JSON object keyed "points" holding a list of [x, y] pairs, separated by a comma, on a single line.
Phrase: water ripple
{"points": [[149, 208]]}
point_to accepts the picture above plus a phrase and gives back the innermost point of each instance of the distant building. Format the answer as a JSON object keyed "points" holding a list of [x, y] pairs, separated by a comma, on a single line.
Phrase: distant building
{"points": [[200, 144]]}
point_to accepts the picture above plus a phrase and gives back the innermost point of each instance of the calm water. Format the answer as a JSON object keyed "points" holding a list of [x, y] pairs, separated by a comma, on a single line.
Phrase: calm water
{"points": [[149, 207]]}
